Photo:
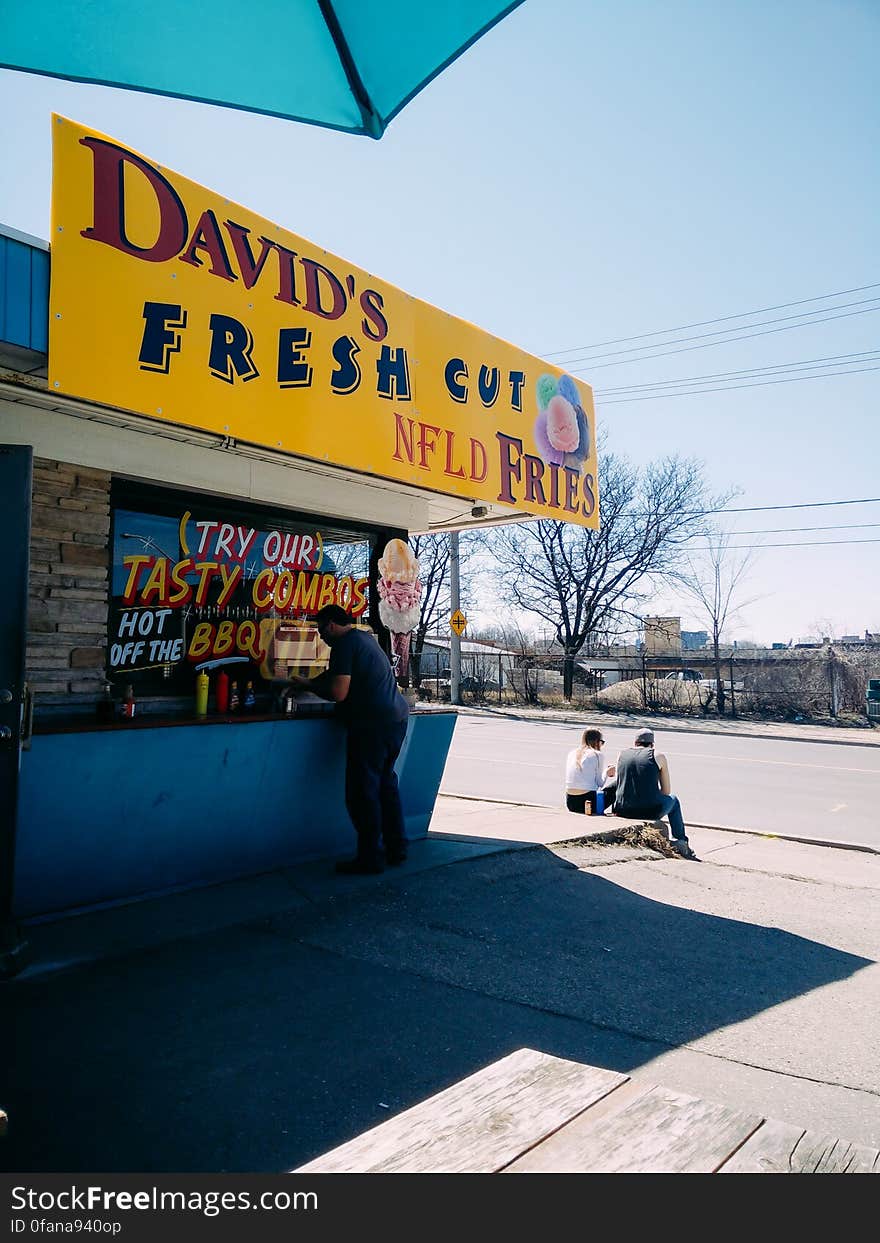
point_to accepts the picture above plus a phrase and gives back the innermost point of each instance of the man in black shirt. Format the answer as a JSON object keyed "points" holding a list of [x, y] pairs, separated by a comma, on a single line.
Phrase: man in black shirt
{"points": [[644, 789], [361, 682]]}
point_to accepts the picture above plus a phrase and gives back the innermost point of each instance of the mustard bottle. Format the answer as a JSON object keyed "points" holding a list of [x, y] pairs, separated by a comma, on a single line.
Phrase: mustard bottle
{"points": [[202, 694]]}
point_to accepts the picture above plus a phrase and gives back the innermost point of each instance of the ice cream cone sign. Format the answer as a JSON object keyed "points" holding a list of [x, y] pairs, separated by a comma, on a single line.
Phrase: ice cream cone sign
{"points": [[399, 591]]}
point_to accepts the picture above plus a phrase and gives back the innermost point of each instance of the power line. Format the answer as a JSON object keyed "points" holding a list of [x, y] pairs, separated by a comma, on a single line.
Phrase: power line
{"points": [[621, 362], [704, 323], [775, 369], [800, 544], [730, 388], [755, 509], [843, 526], [760, 323]]}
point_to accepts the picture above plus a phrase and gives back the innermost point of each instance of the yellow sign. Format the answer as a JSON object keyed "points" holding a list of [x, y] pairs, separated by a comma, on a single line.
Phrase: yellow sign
{"points": [[169, 300], [458, 622]]}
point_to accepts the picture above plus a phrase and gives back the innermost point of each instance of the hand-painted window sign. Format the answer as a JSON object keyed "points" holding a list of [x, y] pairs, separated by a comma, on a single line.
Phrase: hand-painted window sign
{"points": [[458, 622], [190, 588], [169, 300]]}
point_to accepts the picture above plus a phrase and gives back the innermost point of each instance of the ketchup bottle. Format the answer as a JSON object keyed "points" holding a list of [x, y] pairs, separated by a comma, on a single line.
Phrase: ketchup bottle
{"points": [[222, 691]]}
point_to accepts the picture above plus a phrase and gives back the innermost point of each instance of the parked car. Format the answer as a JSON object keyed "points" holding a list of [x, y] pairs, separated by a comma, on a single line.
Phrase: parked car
{"points": [[695, 677], [440, 686]]}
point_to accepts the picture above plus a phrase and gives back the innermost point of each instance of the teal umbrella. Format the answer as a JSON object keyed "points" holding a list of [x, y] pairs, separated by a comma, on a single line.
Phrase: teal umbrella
{"points": [[346, 64]]}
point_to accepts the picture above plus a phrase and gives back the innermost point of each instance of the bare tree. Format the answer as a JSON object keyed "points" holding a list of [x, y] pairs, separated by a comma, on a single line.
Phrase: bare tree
{"points": [[591, 584], [523, 677], [432, 551], [712, 580], [347, 557]]}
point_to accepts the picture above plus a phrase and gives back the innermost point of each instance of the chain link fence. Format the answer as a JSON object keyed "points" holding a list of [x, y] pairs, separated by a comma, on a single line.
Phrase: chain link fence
{"points": [[809, 684]]}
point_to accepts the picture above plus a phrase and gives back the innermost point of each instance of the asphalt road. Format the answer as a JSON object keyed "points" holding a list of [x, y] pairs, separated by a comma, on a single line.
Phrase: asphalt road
{"points": [[818, 790]]}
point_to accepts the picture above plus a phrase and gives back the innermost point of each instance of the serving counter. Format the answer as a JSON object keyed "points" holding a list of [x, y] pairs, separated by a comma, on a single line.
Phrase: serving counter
{"points": [[110, 812]]}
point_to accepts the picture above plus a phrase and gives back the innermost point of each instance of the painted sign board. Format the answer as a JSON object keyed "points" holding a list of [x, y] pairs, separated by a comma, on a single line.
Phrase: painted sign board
{"points": [[458, 622], [171, 301], [194, 586]]}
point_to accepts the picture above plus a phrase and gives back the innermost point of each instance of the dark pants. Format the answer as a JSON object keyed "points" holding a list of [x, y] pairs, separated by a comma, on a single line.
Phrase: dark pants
{"points": [[578, 802], [668, 806], [371, 791]]}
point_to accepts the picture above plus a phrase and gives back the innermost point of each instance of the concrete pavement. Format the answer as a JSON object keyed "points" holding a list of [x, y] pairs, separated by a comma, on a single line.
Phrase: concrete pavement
{"points": [[254, 1025]]}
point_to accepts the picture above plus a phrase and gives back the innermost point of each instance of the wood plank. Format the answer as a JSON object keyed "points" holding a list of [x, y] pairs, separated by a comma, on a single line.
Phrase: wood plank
{"points": [[778, 1148], [481, 1123], [643, 1129]]}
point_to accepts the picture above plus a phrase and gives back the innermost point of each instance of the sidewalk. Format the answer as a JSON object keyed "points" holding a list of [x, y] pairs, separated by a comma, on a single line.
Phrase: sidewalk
{"points": [[255, 1025], [462, 829], [469, 817], [785, 731]]}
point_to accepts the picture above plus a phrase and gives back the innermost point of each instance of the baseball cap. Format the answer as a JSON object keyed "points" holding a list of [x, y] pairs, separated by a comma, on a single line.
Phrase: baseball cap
{"points": [[645, 736]]}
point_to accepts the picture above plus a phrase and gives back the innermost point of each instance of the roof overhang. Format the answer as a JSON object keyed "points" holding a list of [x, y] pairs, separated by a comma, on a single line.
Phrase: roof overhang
{"points": [[28, 386]]}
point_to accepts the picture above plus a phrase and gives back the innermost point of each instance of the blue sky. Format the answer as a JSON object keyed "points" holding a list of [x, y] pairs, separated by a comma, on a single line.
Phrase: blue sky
{"points": [[595, 171]]}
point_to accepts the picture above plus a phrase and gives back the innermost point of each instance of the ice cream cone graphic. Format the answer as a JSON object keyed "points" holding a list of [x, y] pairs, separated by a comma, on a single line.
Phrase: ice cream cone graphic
{"points": [[400, 651], [399, 592]]}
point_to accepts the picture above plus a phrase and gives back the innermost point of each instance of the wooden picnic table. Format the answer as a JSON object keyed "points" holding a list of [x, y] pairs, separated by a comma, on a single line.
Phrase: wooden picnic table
{"points": [[534, 1113]]}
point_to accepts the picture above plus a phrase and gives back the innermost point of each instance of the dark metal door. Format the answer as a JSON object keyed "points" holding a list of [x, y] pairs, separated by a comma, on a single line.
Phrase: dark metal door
{"points": [[16, 471]]}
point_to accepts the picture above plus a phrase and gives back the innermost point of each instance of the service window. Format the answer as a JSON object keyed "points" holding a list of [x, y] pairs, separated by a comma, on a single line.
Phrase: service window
{"points": [[195, 581]]}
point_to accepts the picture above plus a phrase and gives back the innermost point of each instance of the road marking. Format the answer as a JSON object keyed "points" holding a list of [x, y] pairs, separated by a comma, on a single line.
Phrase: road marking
{"points": [[748, 759], [686, 755], [494, 760]]}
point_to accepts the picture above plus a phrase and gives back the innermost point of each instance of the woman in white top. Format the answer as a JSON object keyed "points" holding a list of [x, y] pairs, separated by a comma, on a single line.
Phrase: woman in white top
{"points": [[585, 773]]}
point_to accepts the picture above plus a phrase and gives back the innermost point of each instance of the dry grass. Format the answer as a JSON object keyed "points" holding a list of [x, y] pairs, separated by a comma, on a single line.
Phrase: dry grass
{"points": [[646, 835]]}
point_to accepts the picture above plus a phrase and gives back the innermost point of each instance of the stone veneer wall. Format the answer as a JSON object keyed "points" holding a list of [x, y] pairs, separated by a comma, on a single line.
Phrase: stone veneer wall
{"points": [[70, 557]]}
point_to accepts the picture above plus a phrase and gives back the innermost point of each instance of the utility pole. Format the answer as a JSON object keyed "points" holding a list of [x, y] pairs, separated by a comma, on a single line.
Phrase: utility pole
{"points": [[832, 677], [455, 602]]}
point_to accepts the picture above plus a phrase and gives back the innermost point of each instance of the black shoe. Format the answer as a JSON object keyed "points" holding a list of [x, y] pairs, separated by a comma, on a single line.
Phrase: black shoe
{"points": [[395, 858], [359, 867]]}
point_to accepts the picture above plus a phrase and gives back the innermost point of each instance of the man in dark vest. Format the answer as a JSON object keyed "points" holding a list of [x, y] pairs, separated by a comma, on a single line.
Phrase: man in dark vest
{"points": [[644, 789], [361, 682]]}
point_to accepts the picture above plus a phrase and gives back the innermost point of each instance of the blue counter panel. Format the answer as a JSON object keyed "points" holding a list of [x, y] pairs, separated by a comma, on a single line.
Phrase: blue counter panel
{"points": [[109, 815]]}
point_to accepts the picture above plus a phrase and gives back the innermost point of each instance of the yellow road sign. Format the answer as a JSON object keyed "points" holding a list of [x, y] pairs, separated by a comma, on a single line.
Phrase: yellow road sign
{"points": [[458, 622]]}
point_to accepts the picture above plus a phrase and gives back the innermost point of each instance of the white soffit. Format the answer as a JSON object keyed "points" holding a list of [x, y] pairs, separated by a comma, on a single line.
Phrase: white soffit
{"points": [[127, 444]]}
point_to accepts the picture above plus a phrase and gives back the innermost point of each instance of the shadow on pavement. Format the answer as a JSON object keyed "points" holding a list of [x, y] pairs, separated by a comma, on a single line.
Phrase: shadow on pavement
{"points": [[258, 1047]]}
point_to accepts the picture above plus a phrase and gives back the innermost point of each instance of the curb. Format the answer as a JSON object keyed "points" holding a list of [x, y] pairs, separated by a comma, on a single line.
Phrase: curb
{"points": [[864, 847], [673, 727], [791, 837]]}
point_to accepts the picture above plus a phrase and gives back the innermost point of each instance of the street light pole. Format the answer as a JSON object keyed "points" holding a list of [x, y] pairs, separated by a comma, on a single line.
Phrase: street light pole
{"points": [[455, 644]]}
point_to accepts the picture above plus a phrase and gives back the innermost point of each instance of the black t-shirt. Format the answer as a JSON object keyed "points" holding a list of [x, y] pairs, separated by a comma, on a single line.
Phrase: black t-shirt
{"points": [[638, 783], [373, 694]]}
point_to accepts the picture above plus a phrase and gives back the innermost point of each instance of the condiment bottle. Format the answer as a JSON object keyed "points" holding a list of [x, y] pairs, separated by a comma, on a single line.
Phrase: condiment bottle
{"points": [[202, 693], [222, 691], [104, 708], [233, 697], [128, 702]]}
